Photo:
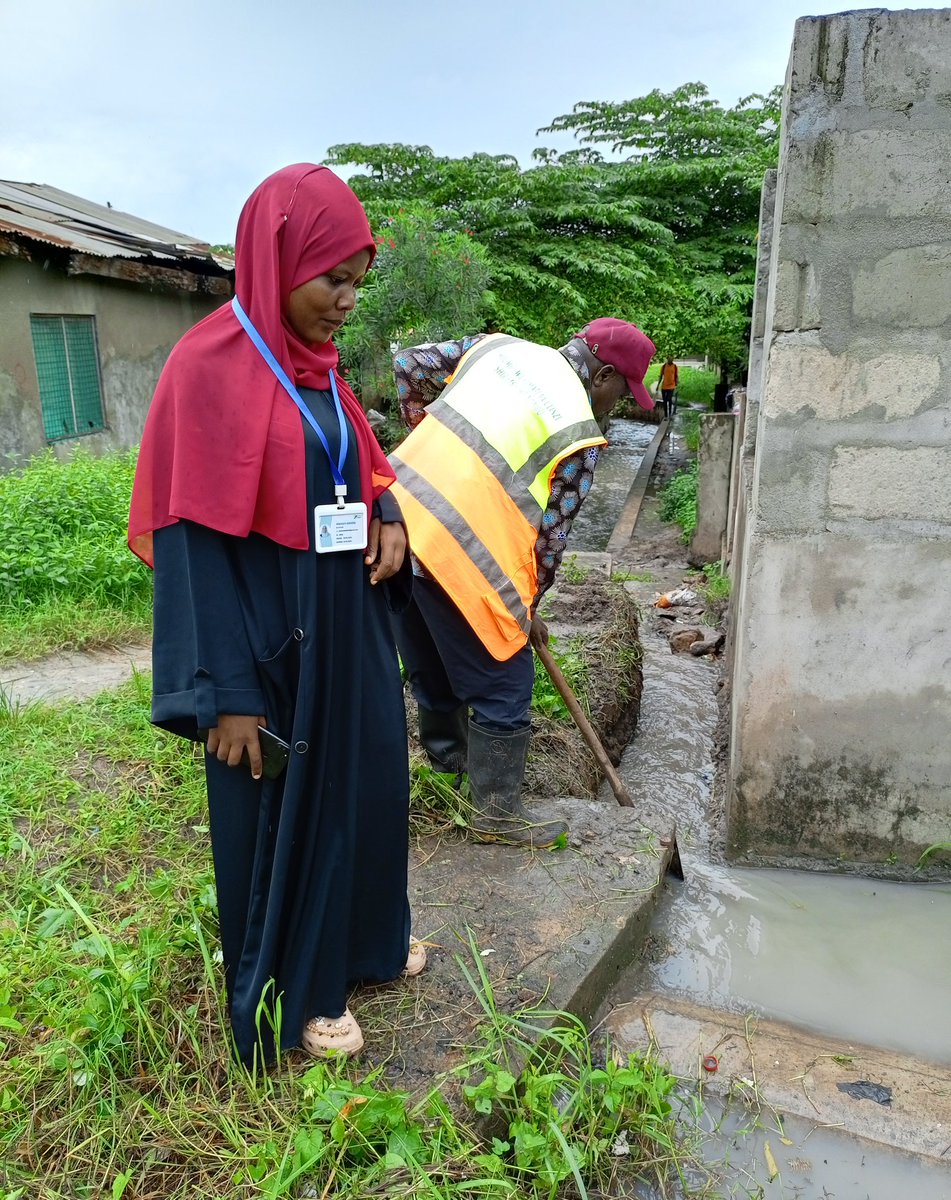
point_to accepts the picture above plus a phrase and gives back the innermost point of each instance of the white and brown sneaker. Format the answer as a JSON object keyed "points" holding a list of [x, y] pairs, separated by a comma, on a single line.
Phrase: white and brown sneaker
{"points": [[416, 959], [323, 1037]]}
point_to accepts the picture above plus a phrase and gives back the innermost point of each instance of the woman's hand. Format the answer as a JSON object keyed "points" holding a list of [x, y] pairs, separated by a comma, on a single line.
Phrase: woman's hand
{"points": [[386, 547], [232, 736]]}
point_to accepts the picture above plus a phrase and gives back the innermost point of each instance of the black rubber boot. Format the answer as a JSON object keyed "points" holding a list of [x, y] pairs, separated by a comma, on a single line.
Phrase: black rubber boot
{"points": [[445, 736], [496, 770]]}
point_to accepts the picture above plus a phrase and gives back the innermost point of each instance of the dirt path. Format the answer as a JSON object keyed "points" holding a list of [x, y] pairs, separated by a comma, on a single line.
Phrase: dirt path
{"points": [[70, 674]]}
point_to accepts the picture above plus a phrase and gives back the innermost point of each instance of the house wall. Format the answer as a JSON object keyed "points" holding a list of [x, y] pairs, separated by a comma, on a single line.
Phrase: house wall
{"points": [[136, 329], [841, 688]]}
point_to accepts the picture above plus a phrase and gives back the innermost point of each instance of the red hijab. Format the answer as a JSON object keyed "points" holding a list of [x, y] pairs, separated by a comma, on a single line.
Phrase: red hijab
{"points": [[223, 444]]}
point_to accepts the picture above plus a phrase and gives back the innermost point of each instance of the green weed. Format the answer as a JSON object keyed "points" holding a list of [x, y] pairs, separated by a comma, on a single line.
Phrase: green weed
{"points": [[572, 571], [115, 1078], [621, 576], [566, 1111], [937, 848], [712, 583], [438, 801], [678, 501], [690, 428], [546, 699]]}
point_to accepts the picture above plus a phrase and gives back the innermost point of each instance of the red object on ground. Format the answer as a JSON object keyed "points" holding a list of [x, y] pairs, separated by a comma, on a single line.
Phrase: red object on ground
{"points": [[710, 1063]]}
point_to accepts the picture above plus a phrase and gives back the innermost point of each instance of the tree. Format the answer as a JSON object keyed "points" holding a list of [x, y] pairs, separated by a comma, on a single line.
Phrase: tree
{"points": [[698, 169], [665, 236], [425, 285], [564, 242]]}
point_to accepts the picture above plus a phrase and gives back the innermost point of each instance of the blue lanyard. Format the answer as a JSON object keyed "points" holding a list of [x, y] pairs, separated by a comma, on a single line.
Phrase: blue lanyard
{"points": [[340, 486]]}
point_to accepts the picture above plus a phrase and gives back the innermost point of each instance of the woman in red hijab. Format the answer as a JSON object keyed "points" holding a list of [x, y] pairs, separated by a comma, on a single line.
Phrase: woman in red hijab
{"points": [[260, 499]]}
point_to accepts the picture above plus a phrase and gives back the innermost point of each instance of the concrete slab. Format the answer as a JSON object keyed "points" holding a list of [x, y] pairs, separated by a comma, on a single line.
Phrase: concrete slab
{"points": [[794, 1072]]}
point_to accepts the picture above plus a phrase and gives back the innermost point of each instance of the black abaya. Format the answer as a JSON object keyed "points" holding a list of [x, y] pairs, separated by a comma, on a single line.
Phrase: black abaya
{"points": [[310, 868]]}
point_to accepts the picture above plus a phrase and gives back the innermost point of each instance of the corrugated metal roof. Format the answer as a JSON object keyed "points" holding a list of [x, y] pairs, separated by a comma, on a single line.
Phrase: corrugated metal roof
{"points": [[46, 214]]}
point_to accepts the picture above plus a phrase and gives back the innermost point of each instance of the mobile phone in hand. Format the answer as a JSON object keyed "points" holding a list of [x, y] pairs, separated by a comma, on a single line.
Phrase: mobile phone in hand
{"points": [[274, 752]]}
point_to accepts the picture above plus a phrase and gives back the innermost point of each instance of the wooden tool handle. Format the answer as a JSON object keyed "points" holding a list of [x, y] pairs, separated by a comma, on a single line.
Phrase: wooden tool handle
{"points": [[587, 732]]}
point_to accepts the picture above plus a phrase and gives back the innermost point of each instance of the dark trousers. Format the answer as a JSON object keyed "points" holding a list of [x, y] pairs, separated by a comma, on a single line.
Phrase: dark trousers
{"points": [[667, 394], [448, 666]]}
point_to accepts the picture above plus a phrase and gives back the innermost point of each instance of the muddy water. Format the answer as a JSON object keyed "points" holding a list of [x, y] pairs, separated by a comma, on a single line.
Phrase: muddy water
{"points": [[861, 960], [818, 1164], [613, 476], [855, 959]]}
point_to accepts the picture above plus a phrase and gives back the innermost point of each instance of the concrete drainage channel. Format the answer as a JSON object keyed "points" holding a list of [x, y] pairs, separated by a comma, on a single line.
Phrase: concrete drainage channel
{"points": [[809, 1009]]}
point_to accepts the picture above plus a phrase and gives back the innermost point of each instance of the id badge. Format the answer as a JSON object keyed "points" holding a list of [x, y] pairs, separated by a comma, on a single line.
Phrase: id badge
{"points": [[340, 527]]}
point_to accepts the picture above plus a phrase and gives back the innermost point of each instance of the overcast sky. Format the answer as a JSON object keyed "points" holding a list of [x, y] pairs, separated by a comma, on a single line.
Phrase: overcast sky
{"points": [[174, 111]]}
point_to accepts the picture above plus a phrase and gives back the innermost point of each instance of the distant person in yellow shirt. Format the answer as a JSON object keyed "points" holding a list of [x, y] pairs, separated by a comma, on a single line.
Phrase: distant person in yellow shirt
{"points": [[668, 386]]}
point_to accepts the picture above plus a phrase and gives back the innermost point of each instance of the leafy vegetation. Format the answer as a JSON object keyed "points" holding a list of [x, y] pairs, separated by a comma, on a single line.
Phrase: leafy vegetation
{"points": [[546, 699], [678, 500], [690, 428], [664, 236], [937, 848], [714, 586], [114, 1075], [67, 578], [426, 285]]}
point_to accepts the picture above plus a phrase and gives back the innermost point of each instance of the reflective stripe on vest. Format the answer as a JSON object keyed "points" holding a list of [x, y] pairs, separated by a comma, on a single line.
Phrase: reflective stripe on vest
{"points": [[474, 477]]}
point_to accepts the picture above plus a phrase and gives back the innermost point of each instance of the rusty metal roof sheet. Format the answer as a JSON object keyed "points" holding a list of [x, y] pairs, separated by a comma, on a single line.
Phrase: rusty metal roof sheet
{"points": [[46, 214]]}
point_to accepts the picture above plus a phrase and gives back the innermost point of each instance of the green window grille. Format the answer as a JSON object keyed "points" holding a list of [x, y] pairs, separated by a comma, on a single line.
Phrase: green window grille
{"points": [[67, 367]]}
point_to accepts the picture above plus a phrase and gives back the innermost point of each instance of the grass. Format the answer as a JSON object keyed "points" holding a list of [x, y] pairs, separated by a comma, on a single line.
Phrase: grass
{"points": [[690, 428], [67, 578], [711, 583], [694, 384], [623, 576], [115, 1079]]}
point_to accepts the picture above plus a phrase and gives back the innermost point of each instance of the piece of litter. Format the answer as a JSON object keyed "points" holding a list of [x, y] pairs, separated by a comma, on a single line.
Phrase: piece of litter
{"points": [[620, 1147], [863, 1089], [485, 953], [677, 596]]}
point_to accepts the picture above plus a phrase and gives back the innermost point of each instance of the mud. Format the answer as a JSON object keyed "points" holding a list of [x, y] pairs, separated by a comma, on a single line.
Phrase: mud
{"points": [[597, 620]]}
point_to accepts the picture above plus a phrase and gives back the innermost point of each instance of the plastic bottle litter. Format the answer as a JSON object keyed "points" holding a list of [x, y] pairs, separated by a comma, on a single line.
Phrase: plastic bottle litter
{"points": [[677, 596]]}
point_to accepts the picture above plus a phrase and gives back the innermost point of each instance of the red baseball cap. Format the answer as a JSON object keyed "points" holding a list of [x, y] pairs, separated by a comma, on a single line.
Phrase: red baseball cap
{"points": [[624, 347]]}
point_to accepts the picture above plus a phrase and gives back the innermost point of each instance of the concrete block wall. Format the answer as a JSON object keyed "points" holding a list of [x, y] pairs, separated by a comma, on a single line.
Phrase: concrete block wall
{"points": [[841, 702], [714, 456]]}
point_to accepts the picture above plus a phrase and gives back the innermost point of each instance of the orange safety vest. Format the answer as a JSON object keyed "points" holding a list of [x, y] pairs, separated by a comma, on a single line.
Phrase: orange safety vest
{"points": [[474, 477], [668, 375]]}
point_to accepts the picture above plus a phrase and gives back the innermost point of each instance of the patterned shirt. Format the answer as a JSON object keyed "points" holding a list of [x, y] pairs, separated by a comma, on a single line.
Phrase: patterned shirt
{"points": [[421, 374]]}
